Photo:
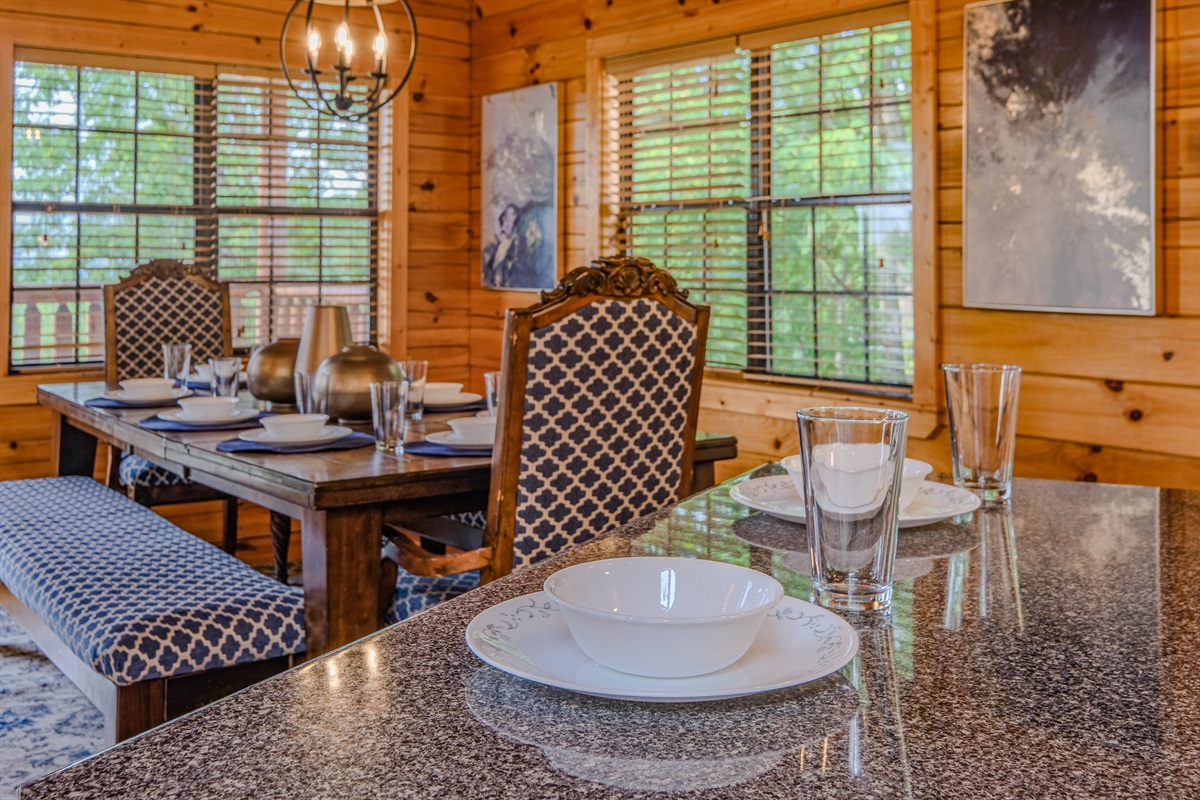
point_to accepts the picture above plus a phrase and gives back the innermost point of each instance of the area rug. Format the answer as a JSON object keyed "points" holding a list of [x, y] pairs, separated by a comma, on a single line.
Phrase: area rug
{"points": [[45, 722]]}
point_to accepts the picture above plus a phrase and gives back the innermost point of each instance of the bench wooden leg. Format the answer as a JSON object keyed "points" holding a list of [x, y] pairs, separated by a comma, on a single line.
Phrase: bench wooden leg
{"points": [[135, 709]]}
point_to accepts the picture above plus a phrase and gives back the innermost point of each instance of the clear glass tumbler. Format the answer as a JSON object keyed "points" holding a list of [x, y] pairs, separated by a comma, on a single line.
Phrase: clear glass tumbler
{"points": [[312, 392], [981, 401], [177, 363], [853, 460], [389, 414], [491, 384], [416, 372], [226, 374]]}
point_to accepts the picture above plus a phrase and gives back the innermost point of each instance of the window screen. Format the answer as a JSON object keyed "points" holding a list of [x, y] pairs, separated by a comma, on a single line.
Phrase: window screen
{"points": [[113, 167], [775, 183]]}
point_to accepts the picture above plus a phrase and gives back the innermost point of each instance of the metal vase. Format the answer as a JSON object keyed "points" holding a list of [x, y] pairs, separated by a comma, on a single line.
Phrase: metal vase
{"points": [[326, 332]]}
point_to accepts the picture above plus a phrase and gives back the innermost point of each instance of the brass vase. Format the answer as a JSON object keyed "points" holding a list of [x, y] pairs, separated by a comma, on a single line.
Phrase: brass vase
{"points": [[269, 374], [326, 332], [351, 372]]}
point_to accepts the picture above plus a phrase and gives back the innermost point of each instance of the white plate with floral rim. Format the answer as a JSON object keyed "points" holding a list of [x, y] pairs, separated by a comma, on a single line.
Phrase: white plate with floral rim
{"points": [[527, 637], [776, 495]]}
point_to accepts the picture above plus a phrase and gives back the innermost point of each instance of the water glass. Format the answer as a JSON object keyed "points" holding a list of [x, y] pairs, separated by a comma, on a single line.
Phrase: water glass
{"points": [[177, 363], [852, 462], [312, 392], [491, 385], [225, 375], [981, 400], [389, 407], [415, 374]]}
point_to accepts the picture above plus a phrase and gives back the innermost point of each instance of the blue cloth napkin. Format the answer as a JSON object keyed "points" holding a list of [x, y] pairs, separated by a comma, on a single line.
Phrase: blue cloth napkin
{"points": [[157, 423], [108, 402], [435, 449], [345, 443], [201, 386], [478, 405]]}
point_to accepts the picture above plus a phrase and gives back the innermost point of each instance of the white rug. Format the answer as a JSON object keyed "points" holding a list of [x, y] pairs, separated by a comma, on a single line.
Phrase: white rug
{"points": [[45, 722]]}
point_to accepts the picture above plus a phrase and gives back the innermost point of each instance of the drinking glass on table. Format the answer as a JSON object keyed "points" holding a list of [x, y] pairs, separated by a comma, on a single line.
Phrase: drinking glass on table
{"points": [[415, 374], [225, 375], [177, 362], [851, 460], [981, 401], [491, 385], [312, 392], [389, 414]]}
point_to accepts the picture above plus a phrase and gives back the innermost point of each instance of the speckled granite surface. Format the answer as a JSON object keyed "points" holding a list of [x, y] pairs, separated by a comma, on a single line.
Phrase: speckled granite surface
{"points": [[1050, 652]]}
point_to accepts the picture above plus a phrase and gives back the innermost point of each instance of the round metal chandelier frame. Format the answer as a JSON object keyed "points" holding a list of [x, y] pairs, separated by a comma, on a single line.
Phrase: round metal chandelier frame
{"points": [[341, 104]]}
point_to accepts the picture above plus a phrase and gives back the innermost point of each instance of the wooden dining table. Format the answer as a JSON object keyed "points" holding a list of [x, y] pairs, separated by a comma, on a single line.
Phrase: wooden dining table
{"points": [[340, 497]]}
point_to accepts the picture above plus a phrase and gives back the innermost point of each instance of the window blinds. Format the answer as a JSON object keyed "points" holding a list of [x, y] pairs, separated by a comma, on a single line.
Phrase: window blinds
{"points": [[113, 167], [775, 183]]}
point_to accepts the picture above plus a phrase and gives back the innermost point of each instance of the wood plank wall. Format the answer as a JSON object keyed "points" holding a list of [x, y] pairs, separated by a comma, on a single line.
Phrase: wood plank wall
{"points": [[1104, 398], [428, 179]]}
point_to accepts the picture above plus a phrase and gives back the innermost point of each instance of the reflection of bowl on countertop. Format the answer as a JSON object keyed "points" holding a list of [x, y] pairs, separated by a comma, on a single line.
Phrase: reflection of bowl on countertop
{"points": [[663, 617]]}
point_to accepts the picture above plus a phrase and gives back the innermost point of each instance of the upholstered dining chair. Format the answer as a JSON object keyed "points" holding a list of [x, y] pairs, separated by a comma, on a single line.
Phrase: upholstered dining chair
{"points": [[599, 399], [159, 302]]}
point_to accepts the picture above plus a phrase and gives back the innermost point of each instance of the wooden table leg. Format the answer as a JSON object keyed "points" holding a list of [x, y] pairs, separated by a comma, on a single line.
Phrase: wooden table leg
{"points": [[341, 555], [72, 451], [281, 540]]}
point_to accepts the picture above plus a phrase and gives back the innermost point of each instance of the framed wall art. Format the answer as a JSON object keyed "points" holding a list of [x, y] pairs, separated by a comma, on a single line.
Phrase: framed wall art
{"points": [[519, 230], [1058, 156]]}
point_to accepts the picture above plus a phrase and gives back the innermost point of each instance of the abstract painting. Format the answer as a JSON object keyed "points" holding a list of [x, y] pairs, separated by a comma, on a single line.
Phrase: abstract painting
{"points": [[1058, 161], [519, 232]]}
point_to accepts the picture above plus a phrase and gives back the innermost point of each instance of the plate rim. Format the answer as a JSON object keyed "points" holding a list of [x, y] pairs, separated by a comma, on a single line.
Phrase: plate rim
{"points": [[472, 398], [254, 435], [119, 395], [905, 521], [429, 437], [243, 414], [716, 693]]}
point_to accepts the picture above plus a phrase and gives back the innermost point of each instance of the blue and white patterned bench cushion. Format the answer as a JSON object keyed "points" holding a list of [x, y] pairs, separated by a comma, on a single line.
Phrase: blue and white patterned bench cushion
{"points": [[137, 471], [130, 593], [416, 593]]}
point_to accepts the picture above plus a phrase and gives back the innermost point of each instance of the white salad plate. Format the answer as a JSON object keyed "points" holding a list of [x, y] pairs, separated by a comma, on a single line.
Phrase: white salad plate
{"points": [[527, 637], [776, 495], [460, 399], [122, 396], [238, 415], [450, 439], [330, 433]]}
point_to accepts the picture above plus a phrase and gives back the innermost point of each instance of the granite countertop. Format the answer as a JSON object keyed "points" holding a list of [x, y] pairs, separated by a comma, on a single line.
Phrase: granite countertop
{"points": [[1049, 651]]}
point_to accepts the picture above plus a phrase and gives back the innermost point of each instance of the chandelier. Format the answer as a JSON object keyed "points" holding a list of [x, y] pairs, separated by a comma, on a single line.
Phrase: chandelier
{"points": [[339, 91]]}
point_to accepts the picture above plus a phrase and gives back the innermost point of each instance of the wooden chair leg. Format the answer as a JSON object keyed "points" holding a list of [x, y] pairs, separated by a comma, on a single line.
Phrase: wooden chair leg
{"points": [[229, 542], [388, 574], [112, 476], [281, 539]]}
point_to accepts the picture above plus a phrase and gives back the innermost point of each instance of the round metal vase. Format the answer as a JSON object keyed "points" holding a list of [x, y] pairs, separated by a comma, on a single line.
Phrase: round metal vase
{"points": [[351, 372], [269, 374]]}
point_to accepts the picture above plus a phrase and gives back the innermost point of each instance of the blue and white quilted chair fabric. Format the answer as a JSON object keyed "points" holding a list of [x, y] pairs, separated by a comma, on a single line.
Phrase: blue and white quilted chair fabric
{"points": [[133, 595], [138, 472], [606, 399]]}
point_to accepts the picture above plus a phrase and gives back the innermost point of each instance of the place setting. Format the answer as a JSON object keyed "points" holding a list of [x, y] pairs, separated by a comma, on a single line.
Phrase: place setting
{"points": [[206, 413], [296, 433], [449, 398], [606, 628]]}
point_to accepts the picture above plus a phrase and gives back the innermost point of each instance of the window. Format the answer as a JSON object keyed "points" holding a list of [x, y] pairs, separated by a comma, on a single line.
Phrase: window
{"points": [[115, 166], [774, 180]]}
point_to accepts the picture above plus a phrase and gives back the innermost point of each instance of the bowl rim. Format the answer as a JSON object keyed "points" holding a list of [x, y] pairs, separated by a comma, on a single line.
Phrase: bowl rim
{"points": [[772, 585]]}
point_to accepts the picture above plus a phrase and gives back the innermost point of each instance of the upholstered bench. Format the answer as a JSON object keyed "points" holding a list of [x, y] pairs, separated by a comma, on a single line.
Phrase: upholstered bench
{"points": [[146, 619]]}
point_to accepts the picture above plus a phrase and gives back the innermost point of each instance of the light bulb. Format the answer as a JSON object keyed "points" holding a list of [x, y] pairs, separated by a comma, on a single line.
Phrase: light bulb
{"points": [[343, 36], [380, 45], [314, 43], [349, 49]]}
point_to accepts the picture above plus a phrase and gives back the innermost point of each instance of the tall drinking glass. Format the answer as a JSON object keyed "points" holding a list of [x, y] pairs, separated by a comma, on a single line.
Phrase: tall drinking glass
{"points": [[312, 392], [177, 363], [852, 460], [415, 374], [389, 414], [491, 384], [225, 375], [981, 400]]}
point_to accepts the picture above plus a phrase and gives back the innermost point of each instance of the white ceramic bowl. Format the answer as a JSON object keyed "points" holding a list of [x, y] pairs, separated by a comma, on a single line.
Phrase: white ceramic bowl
{"points": [[288, 427], [204, 371], [148, 388], [474, 430], [208, 409], [663, 617], [914, 473], [442, 393]]}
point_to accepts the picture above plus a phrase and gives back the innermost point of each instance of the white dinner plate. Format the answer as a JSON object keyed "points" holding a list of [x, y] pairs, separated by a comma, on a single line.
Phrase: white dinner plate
{"points": [[122, 396], [238, 415], [330, 433], [450, 439], [527, 637], [460, 399], [776, 495]]}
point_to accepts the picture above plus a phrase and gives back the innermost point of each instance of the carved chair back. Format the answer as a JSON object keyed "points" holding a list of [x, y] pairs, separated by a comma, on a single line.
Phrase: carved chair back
{"points": [[599, 400], [162, 302]]}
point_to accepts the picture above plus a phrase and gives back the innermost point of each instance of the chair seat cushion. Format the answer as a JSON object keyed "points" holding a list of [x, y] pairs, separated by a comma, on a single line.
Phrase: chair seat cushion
{"points": [[416, 593], [137, 471], [130, 593]]}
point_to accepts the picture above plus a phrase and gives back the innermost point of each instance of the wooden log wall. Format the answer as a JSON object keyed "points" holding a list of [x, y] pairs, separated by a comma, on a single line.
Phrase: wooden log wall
{"points": [[1104, 398]]}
